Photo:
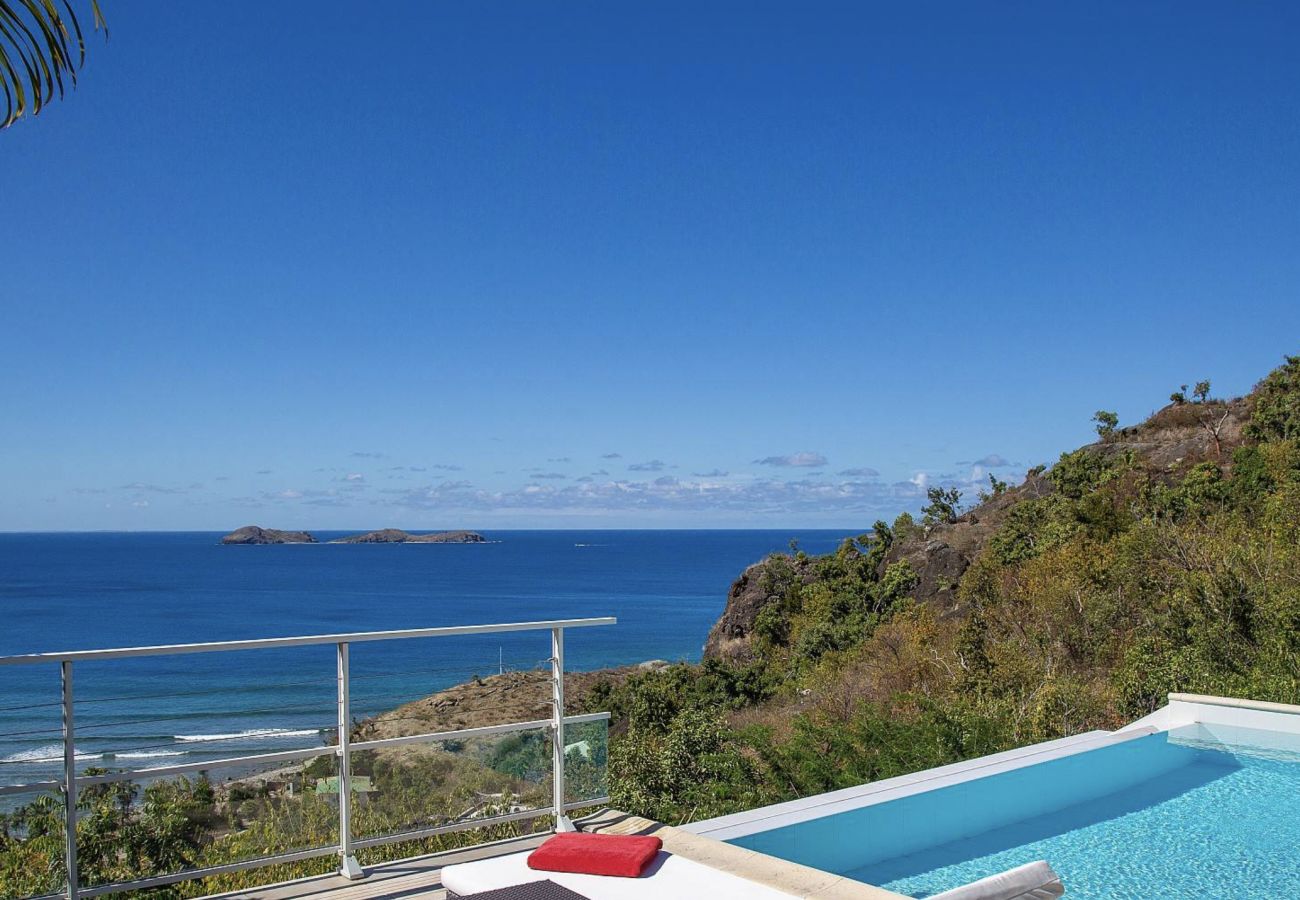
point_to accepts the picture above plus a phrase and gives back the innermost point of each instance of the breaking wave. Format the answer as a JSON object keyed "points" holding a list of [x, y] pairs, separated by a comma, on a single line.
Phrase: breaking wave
{"points": [[245, 735]]}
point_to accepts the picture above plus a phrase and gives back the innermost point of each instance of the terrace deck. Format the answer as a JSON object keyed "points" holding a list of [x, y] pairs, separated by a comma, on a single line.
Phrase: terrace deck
{"points": [[421, 877]]}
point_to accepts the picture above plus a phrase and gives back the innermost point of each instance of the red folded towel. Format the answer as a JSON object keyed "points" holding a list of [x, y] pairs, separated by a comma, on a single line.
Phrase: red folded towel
{"points": [[624, 855]]}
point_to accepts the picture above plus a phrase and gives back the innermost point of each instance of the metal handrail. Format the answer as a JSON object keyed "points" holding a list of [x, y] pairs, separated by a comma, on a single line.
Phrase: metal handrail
{"points": [[352, 637], [343, 749]]}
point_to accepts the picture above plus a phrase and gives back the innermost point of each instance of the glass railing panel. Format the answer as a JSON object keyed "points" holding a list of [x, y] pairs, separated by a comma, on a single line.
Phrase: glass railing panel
{"points": [[586, 757], [31, 844], [158, 826], [417, 787], [586, 754]]}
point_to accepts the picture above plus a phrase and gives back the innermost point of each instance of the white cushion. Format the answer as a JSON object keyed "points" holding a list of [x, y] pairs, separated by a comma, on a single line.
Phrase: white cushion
{"points": [[669, 876], [1032, 881]]}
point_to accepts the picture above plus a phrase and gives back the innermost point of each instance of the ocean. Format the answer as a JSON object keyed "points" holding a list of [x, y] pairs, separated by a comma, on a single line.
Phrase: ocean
{"points": [[81, 591]]}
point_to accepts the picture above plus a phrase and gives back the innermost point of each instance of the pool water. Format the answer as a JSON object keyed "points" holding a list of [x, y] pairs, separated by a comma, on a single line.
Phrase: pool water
{"points": [[1200, 812]]}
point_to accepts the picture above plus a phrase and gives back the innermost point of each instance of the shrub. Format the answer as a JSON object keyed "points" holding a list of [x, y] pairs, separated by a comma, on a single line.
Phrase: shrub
{"points": [[1275, 404]]}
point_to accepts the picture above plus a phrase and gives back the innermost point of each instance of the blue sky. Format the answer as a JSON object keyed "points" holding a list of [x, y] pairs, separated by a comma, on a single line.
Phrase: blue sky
{"points": [[603, 264]]}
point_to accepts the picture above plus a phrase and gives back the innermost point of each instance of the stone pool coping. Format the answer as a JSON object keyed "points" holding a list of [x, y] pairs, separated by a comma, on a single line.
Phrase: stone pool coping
{"points": [[1201, 709], [791, 878]]}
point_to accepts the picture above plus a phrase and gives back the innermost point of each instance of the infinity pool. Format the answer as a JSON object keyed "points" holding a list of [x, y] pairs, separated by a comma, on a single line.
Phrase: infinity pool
{"points": [[1198, 812]]}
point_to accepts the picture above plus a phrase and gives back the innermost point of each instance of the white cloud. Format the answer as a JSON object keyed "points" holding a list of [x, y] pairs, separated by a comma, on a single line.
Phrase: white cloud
{"points": [[861, 472], [152, 488], [654, 465], [666, 492], [804, 459]]}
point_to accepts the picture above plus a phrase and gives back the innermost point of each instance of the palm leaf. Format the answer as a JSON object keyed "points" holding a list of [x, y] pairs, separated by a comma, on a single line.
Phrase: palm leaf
{"points": [[41, 49]]}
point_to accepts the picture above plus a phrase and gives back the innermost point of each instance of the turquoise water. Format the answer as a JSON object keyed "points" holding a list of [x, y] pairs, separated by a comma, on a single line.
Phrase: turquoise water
{"points": [[1201, 812]]}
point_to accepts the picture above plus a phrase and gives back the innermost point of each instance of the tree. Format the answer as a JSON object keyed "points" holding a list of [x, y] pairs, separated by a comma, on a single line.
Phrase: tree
{"points": [[999, 486], [1209, 415], [1106, 422], [41, 46], [942, 508], [903, 525]]}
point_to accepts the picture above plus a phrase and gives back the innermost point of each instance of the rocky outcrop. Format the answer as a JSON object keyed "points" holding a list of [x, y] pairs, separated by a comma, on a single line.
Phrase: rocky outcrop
{"points": [[254, 534], [730, 636], [941, 554], [397, 536]]}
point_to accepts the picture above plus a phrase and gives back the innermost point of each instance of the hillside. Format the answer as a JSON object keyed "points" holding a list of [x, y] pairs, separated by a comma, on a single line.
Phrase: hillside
{"points": [[1164, 556], [1163, 449]]}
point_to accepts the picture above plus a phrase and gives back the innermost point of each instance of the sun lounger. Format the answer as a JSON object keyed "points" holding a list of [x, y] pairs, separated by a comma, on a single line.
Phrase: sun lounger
{"points": [[1032, 881]]}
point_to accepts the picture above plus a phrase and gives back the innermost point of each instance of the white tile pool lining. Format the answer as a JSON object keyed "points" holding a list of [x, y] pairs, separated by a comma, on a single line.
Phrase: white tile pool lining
{"points": [[1181, 710]]}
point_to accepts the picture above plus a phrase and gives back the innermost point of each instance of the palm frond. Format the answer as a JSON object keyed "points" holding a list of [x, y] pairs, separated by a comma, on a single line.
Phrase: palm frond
{"points": [[41, 49]]}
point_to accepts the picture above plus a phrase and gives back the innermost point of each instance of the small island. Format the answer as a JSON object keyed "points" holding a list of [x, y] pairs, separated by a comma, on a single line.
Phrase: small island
{"points": [[254, 534], [397, 536]]}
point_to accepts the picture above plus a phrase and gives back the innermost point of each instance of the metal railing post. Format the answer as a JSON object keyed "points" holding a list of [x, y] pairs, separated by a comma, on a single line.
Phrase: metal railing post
{"points": [[69, 783], [562, 822], [348, 865]]}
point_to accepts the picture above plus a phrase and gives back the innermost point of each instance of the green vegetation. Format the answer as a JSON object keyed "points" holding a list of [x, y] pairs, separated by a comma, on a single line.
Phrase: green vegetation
{"points": [[1275, 405], [1106, 585]]}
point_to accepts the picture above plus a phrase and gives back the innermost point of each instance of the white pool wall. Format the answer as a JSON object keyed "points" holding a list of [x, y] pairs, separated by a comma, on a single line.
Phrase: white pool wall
{"points": [[1194, 709]]}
